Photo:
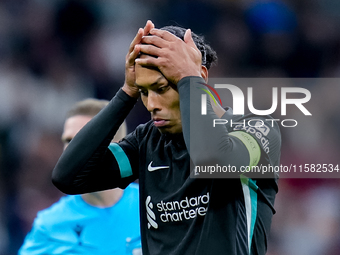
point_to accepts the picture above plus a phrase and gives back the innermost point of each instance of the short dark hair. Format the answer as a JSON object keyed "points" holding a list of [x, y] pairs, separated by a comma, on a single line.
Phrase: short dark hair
{"points": [[209, 56]]}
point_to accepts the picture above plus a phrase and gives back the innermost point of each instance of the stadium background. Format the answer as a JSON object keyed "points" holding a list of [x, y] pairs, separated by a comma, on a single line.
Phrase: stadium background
{"points": [[53, 53]]}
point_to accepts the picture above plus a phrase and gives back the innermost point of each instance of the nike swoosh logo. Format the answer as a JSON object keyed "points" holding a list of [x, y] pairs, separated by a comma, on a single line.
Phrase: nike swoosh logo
{"points": [[154, 168]]}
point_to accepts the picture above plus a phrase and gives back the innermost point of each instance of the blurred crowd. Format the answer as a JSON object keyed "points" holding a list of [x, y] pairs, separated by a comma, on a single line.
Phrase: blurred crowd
{"points": [[54, 53]]}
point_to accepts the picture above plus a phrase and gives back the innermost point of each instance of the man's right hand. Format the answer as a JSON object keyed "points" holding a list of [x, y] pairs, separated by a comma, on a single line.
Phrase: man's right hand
{"points": [[129, 84]]}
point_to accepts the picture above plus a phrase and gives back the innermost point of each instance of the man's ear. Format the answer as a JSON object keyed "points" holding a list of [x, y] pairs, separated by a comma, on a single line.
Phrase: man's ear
{"points": [[204, 73]]}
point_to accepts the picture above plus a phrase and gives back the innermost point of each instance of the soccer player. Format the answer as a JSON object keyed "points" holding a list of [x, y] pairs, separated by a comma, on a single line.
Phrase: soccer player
{"points": [[167, 68], [104, 222]]}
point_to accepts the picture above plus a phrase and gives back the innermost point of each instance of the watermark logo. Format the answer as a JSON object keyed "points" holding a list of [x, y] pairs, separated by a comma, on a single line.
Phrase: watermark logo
{"points": [[261, 127], [204, 98], [238, 99]]}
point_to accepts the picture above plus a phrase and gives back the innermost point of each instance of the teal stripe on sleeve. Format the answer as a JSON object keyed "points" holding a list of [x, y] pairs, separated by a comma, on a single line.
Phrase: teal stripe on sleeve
{"points": [[253, 198], [122, 160], [250, 197]]}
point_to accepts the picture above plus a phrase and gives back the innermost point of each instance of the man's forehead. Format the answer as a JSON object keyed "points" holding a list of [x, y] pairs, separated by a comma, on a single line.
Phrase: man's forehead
{"points": [[76, 122], [147, 76]]}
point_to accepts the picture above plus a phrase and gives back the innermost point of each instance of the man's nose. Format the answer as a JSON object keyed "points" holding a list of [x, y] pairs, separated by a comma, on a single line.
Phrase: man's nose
{"points": [[153, 102]]}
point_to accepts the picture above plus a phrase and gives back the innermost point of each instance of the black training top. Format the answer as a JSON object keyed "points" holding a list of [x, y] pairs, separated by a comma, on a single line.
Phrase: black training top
{"points": [[179, 214]]}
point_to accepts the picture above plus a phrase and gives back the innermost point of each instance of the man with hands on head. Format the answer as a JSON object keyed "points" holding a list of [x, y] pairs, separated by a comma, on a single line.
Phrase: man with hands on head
{"points": [[179, 214]]}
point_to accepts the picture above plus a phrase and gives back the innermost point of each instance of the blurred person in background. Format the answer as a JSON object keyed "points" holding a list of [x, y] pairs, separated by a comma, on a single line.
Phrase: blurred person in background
{"points": [[104, 222]]}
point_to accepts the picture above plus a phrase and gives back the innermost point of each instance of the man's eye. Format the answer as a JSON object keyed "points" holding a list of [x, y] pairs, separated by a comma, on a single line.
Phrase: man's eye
{"points": [[143, 92], [66, 141], [162, 89]]}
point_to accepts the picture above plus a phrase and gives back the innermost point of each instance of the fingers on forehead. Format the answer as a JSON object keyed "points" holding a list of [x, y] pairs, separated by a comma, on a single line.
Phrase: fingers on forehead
{"points": [[146, 56], [166, 35], [132, 56], [150, 49], [153, 39], [149, 25], [136, 40]]}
